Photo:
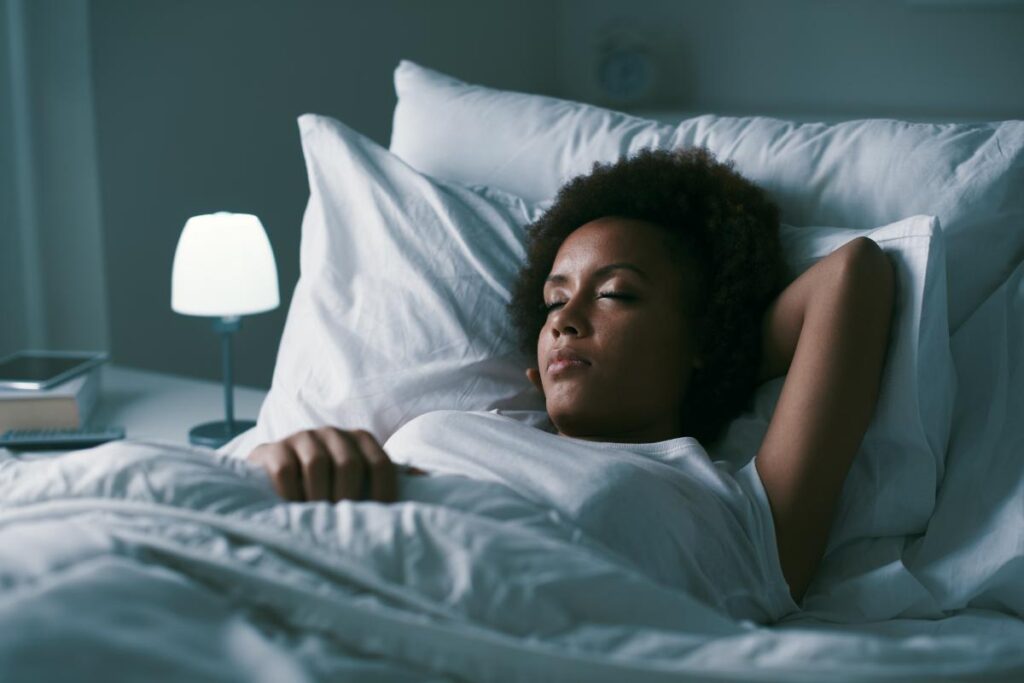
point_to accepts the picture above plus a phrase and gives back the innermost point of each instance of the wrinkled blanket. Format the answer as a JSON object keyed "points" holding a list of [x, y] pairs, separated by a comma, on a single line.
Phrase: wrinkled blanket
{"points": [[138, 560]]}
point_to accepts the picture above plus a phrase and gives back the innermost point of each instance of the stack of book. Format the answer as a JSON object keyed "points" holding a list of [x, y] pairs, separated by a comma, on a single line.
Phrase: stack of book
{"points": [[65, 405]]}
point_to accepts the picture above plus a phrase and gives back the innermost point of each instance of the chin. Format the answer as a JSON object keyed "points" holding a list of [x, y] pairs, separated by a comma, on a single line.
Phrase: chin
{"points": [[577, 422]]}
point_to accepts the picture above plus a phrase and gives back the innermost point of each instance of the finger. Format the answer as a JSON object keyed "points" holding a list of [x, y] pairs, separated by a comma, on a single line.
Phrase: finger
{"points": [[383, 473], [282, 467], [256, 455], [348, 464], [409, 469], [315, 464]]}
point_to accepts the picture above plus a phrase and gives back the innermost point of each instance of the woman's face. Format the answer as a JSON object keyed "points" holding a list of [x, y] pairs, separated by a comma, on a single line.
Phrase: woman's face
{"points": [[615, 301]]}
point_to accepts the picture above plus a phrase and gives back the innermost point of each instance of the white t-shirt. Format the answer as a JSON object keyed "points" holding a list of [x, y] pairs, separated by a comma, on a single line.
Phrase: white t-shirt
{"points": [[665, 508]]}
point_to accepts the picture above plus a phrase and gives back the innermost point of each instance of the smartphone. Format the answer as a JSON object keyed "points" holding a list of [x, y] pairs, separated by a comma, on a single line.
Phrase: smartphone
{"points": [[44, 369]]}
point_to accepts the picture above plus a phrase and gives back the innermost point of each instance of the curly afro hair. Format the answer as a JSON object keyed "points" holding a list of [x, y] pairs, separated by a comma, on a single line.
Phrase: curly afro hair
{"points": [[722, 223]]}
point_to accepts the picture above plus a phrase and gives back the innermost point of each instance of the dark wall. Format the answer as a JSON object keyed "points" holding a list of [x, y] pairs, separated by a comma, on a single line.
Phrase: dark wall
{"points": [[838, 59], [196, 104], [196, 101]]}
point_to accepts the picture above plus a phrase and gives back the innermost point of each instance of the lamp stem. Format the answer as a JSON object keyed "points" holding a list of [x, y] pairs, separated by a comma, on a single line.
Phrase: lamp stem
{"points": [[226, 326]]}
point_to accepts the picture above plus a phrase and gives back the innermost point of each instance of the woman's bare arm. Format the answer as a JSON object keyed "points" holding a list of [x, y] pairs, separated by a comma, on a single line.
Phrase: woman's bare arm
{"points": [[829, 329]]}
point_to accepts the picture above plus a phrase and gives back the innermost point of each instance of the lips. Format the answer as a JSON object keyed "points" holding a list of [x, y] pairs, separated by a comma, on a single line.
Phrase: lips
{"points": [[565, 359]]}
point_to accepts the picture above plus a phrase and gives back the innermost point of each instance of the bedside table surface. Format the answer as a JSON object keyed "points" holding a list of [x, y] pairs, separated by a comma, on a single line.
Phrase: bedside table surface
{"points": [[154, 405]]}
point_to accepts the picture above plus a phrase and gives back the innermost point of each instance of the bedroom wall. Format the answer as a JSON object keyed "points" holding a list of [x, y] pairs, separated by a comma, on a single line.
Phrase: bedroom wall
{"points": [[145, 113], [830, 59], [196, 104]]}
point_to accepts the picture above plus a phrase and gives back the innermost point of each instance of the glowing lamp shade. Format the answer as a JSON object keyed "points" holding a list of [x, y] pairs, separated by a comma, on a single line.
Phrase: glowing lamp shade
{"points": [[224, 267]]}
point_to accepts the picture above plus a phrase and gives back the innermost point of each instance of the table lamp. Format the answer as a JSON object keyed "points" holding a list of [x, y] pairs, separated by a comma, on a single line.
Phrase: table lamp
{"points": [[223, 268]]}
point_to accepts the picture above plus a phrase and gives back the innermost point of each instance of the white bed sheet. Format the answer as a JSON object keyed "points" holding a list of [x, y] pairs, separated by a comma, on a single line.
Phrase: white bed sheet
{"points": [[136, 560]]}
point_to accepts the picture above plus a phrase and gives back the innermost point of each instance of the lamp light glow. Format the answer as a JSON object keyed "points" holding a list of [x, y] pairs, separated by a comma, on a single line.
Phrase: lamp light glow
{"points": [[224, 266]]}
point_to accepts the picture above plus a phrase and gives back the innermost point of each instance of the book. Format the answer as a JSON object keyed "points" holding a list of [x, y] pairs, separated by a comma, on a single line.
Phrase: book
{"points": [[66, 405]]}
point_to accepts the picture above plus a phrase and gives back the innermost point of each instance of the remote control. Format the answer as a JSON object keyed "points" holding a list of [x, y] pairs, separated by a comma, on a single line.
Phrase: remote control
{"points": [[59, 439]]}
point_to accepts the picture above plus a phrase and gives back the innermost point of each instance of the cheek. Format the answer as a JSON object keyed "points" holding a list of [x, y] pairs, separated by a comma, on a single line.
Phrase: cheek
{"points": [[543, 349], [542, 341], [650, 349]]}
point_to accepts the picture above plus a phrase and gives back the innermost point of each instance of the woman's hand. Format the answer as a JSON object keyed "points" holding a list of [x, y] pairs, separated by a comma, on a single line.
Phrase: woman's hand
{"points": [[329, 464]]}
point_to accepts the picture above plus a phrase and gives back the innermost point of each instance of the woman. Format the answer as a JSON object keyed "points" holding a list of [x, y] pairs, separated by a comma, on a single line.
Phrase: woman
{"points": [[651, 299]]}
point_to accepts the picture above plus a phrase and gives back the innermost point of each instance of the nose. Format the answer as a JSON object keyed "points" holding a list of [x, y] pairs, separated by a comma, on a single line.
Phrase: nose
{"points": [[570, 319]]}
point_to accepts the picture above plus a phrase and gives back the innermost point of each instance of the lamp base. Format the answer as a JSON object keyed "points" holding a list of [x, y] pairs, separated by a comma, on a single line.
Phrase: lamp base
{"points": [[216, 434]]}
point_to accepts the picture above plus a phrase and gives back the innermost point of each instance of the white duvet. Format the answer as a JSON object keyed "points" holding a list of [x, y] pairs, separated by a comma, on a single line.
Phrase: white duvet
{"points": [[139, 561]]}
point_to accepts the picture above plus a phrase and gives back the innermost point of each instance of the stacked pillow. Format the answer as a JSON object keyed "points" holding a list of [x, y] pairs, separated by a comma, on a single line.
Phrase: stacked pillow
{"points": [[400, 304], [856, 174], [400, 309]]}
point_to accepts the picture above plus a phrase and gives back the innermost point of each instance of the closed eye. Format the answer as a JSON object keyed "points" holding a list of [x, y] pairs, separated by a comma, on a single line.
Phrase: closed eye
{"points": [[603, 295]]}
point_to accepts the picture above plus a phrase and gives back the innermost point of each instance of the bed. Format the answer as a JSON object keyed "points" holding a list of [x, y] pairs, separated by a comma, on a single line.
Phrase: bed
{"points": [[135, 560]]}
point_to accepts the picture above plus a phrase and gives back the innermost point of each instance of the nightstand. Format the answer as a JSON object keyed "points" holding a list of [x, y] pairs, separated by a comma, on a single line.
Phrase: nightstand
{"points": [[154, 405]]}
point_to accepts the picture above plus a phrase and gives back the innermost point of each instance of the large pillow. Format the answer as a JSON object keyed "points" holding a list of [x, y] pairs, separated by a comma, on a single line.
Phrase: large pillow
{"points": [[400, 307], [856, 174], [528, 145], [891, 487]]}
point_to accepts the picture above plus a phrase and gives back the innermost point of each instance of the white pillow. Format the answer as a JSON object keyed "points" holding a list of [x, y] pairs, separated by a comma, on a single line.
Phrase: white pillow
{"points": [[890, 489], [400, 310], [856, 174], [528, 145], [400, 307]]}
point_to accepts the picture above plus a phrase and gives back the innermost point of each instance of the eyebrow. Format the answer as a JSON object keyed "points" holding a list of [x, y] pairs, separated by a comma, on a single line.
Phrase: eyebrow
{"points": [[603, 270]]}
